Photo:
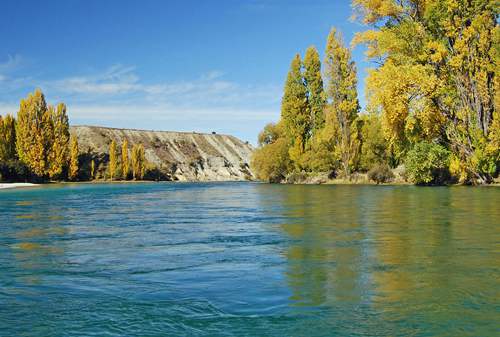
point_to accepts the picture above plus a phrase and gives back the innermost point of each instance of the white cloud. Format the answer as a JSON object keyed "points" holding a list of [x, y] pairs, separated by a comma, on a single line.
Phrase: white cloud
{"points": [[240, 122], [119, 82], [12, 63], [118, 97], [114, 80]]}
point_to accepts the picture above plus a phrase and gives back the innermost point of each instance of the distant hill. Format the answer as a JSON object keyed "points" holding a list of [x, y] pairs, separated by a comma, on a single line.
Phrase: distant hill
{"points": [[181, 156]]}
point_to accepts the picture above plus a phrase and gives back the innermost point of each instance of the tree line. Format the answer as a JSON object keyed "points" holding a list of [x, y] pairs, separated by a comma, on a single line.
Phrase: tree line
{"points": [[38, 146], [432, 100]]}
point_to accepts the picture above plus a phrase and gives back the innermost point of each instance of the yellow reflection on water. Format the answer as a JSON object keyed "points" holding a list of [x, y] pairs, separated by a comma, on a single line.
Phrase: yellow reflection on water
{"points": [[38, 232], [386, 246], [24, 203], [324, 254], [25, 216], [35, 249]]}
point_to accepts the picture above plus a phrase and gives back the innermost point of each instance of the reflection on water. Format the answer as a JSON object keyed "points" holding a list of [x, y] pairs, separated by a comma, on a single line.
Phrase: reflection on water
{"points": [[249, 259]]}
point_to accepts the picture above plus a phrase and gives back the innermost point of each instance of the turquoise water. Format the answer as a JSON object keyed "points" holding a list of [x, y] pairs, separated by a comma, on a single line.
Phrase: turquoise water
{"points": [[245, 259]]}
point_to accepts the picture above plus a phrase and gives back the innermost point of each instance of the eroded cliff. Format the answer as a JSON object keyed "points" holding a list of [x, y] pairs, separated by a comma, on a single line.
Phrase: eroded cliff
{"points": [[181, 156]]}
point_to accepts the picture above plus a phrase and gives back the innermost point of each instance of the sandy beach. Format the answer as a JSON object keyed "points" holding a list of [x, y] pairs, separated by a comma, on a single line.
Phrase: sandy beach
{"points": [[15, 185]]}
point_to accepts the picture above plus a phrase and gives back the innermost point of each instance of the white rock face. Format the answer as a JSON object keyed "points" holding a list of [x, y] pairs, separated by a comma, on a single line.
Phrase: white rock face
{"points": [[182, 156]]}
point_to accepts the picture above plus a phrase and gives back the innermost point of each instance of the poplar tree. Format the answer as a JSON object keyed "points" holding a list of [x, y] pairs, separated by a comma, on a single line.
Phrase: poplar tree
{"points": [[7, 138], [138, 161], [73, 161], [33, 132], [294, 111], [92, 169], [341, 92], [58, 156], [125, 161], [112, 159], [315, 93]]}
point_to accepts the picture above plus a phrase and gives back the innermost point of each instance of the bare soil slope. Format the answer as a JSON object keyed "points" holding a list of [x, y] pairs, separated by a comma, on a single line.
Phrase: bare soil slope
{"points": [[179, 156]]}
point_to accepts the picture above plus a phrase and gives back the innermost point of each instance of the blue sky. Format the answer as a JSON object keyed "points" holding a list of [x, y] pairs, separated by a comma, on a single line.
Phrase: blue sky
{"points": [[187, 65]]}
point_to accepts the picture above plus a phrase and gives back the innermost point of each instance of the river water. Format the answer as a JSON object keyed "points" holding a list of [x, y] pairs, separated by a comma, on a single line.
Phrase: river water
{"points": [[248, 259]]}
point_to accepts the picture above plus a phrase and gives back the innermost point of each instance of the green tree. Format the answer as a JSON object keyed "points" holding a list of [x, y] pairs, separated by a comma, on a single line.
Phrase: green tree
{"points": [[138, 161], [58, 155], [427, 163], [294, 111], [7, 138], [270, 134], [380, 173], [271, 161], [314, 86], [341, 92], [373, 144], [125, 161], [112, 159], [73, 160]]}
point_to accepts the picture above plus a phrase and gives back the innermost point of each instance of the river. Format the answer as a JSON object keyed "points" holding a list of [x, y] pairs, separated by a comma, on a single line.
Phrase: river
{"points": [[249, 259]]}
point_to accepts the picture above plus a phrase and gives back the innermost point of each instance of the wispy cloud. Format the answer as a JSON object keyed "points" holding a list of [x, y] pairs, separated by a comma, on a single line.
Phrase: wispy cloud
{"points": [[117, 96], [114, 80], [12, 63], [122, 82], [9, 81]]}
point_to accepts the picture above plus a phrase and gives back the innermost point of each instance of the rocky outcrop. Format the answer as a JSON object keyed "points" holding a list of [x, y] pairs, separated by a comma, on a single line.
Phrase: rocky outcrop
{"points": [[182, 156]]}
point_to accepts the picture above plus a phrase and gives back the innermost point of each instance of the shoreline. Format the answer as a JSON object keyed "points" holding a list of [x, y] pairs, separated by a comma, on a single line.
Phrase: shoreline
{"points": [[10, 186], [5, 186]]}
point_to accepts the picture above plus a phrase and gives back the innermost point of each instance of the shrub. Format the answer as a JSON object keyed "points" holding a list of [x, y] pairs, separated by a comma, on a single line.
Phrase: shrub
{"points": [[271, 162], [297, 178], [154, 173], [427, 163], [14, 170], [380, 173], [374, 146]]}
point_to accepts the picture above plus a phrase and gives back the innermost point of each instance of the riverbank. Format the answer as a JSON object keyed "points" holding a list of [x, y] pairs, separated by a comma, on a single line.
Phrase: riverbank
{"points": [[96, 182], [358, 179], [4, 186]]}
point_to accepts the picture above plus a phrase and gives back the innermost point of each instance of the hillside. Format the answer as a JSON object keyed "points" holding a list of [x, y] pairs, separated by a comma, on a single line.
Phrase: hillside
{"points": [[181, 156]]}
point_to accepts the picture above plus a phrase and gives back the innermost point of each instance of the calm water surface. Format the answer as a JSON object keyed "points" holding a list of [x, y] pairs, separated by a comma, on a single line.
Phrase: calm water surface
{"points": [[243, 259]]}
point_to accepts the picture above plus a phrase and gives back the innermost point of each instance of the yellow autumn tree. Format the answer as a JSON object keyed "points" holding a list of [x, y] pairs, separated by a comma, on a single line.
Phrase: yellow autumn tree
{"points": [[342, 100], [112, 159], [271, 161], [32, 132], [315, 93], [73, 160], [58, 155], [92, 169], [138, 161], [7, 137], [295, 115], [125, 161], [437, 77]]}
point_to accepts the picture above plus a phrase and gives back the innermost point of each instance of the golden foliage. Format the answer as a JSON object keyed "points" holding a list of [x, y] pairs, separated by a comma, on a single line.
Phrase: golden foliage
{"points": [[125, 161], [73, 160], [341, 92], [31, 132], [138, 161], [271, 162], [58, 155], [112, 159], [437, 76], [7, 137]]}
